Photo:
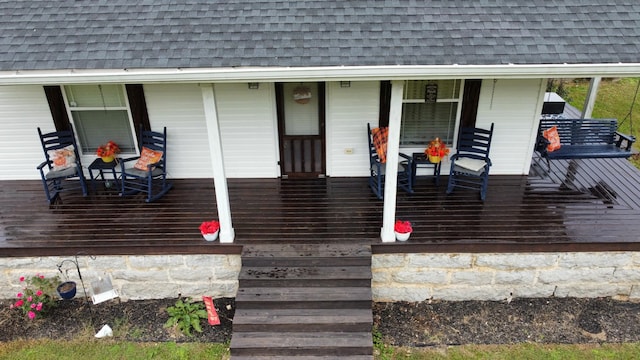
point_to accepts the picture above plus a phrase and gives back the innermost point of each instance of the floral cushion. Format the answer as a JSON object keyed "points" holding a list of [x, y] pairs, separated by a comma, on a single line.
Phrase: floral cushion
{"points": [[551, 134], [147, 156], [63, 158]]}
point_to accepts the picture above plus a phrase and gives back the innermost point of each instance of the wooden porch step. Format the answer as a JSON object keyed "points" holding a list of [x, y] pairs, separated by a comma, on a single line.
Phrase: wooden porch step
{"points": [[257, 276], [303, 320], [302, 344], [304, 297], [306, 250], [304, 301]]}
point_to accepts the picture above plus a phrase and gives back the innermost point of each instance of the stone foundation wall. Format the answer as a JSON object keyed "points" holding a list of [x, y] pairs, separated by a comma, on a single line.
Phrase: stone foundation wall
{"points": [[134, 277], [456, 277], [396, 277]]}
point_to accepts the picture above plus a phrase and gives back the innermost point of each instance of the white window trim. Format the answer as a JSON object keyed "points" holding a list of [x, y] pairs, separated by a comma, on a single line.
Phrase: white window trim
{"points": [[127, 107]]}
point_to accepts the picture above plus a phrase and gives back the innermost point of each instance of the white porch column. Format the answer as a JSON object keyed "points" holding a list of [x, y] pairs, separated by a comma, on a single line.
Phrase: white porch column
{"points": [[391, 171], [590, 99], [227, 234]]}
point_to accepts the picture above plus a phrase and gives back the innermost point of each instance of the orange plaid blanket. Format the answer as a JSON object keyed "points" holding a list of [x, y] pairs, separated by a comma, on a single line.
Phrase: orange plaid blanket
{"points": [[380, 136]]}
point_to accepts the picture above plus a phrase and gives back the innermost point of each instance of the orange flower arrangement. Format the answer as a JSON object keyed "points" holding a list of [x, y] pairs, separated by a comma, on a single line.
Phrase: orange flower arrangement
{"points": [[110, 149], [437, 148]]}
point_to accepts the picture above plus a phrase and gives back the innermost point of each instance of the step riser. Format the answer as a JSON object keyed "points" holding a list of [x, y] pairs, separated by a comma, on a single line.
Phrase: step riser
{"points": [[324, 351], [296, 262], [248, 283], [364, 327], [242, 304]]}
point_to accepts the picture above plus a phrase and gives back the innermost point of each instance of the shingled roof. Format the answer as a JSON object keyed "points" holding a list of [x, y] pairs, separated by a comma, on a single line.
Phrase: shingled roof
{"points": [[155, 34]]}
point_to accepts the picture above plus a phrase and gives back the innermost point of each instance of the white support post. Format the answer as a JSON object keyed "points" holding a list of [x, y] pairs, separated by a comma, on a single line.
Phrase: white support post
{"points": [[227, 234], [590, 100], [391, 171]]}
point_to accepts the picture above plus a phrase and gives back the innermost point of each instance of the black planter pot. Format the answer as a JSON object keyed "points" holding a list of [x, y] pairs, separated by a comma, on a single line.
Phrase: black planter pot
{"points": [[67, 290]]}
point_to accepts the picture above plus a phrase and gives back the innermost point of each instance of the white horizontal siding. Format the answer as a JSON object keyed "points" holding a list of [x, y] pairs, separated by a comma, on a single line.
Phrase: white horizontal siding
{"points": [[179, 108], [348, 112], [513, 106], [22, 110], [248, 128]]}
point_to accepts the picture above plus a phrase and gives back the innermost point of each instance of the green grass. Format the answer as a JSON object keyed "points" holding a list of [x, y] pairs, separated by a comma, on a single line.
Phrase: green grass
{"points": [[519, 351], [615, 99], [109, 349], [113, 350]]}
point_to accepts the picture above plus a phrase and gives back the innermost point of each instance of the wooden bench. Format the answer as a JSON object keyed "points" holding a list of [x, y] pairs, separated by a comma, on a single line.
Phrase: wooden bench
{"points": [[585, 138]]}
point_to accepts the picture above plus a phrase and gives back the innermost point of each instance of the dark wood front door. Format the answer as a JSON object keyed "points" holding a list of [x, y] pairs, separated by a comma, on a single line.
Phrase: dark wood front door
{"points": [[301, 118]]}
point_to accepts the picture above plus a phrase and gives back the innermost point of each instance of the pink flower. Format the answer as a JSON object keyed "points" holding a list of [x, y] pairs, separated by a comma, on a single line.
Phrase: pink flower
{"points": [[19, 295], [30, 299], [41, 276], [39, 293], [39, 306], [33, 306], [19, 303], [21, 278], [32, 315]]}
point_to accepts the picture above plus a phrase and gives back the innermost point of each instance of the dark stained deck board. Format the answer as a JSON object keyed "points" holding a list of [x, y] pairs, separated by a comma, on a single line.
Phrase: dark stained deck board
{"points": [[539, 212]]}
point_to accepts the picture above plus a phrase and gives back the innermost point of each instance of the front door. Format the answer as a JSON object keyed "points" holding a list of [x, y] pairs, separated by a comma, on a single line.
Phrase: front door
{"points": [[301, 129]]}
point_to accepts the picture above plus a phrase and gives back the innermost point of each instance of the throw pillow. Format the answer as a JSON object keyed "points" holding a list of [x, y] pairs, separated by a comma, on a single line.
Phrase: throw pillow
{"points": [[63, 158], [380, 137], [551, 134], [147, 156]]}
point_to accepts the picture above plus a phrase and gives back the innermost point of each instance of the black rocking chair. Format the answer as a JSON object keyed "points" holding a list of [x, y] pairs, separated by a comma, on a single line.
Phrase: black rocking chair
{"points": [[62, 164], [149, 172], [470, 165], [377, 169]]}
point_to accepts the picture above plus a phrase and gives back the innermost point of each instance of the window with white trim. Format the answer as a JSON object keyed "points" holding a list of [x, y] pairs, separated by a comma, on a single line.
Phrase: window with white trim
{"points": [[100, 113], [422, 121]]}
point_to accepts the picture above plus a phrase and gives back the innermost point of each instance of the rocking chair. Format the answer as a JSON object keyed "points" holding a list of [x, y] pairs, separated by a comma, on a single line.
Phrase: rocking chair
{"points": [[377, 166], [62, 162], [148, 174], [470, 165]]}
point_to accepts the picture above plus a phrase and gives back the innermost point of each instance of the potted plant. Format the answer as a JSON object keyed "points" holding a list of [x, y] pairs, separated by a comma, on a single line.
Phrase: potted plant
{"points": [[403, 230], [436, 150], [108, 151], [210, 229], [67, 290]]}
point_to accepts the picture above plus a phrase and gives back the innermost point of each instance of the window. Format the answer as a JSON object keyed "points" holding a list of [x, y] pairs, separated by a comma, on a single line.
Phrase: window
{"points": [[100, 113], [423, 121]]}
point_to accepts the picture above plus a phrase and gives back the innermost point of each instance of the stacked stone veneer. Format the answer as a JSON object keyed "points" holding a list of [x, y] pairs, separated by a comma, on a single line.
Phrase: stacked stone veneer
{"points": [[135, 277], [396, 277], [418, 277]]}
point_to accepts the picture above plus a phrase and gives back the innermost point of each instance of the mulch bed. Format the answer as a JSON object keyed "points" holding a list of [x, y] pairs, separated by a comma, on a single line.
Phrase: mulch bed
{"points": [[553, 320]]}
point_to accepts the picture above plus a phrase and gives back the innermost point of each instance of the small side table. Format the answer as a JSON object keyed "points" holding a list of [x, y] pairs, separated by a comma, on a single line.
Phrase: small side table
{"points": [[101, 166], [421, 160]]}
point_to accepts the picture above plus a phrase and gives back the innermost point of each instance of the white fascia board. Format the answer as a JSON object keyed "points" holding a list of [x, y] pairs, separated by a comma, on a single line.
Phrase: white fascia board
{"points": [[333, 73]]}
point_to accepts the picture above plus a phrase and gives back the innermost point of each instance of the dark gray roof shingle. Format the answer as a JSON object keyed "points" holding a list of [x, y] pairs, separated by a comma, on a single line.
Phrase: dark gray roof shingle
{"points": [[116, 34]]}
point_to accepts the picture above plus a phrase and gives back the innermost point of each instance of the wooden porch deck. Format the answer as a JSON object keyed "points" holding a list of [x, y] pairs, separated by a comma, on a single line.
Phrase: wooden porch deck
{"points": [[581, 205]]}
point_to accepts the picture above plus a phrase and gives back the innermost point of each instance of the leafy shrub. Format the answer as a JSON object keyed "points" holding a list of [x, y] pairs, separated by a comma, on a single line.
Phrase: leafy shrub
{"points": [[186, 315]]}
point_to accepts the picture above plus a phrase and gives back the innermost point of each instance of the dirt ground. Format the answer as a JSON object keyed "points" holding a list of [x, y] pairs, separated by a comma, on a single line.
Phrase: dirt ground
{"points": [[553, 320]]}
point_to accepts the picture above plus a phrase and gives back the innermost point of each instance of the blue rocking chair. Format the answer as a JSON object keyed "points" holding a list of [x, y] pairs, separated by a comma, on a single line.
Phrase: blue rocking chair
{"points": [[62, 165], [470, 165], [149, 172], [377, 169]]}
